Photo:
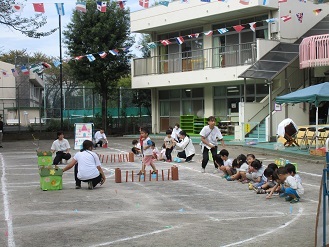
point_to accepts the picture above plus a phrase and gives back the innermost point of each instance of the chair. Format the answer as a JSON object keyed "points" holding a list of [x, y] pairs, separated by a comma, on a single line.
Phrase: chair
{"points": [[311, 136], [290, 135], [302, 136], [323, 135]]}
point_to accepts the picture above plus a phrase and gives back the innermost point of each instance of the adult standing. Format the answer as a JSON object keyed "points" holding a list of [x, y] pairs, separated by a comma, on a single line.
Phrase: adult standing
{"points": [[1, 132], [210, 135], [186, 145], [62, 148], [87, 167], [100, 138]]}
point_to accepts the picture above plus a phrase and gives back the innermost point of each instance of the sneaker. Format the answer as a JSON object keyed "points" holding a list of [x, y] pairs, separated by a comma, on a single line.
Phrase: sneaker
{"points": [[228, 178], [261, 191], [215, 171], [294, 200], [178, 160], [288, 199], [90, 185], [203, 170], [224, 176], [154, 172], [168, 160], [250, 186], [77, 187], [175, 159], [245, 181]]}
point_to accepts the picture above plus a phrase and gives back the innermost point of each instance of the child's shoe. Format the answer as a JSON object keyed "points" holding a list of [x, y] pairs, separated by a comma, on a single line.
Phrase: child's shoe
{"points": [[178, 160], [228, 178], [250, 186], [288, 199], [294, 200], [261, 191]]}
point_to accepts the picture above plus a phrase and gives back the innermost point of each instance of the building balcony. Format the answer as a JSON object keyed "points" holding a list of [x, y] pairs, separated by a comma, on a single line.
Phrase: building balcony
{"points": [[219, 57], [314, 52], [196, 13], [36, 80]]}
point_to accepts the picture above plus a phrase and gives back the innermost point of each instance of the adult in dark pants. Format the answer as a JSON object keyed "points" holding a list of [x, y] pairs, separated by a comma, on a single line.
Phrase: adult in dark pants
{"points": [[87, 167], [210, 135], [62, 148]]}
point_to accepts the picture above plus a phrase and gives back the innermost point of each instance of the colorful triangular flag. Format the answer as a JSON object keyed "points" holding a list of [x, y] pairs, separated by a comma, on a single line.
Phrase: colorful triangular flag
{"points": [[286, 18], [39, 7], [46, 65], [17, 7], [300, 17], [15, 73], [193, 35], [252, 26], [4, 73], [144, 3], [78, 57], [102, 54], [222, 30], [317, 11], [151, 45], [184, 1], [57, 63], [101, 6], [244, 2], [81, 6], [121, 4], [164, 3], [180, 40], [165, 42], [91, 57], [206, 1], [283, 1], [60, 8], [271, 20], [24, 70], [114, 52], [238, 28], [208, 33]]}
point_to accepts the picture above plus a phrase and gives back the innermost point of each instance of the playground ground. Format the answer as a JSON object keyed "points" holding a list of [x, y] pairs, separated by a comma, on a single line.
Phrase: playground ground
{"points": [[197, 210]]}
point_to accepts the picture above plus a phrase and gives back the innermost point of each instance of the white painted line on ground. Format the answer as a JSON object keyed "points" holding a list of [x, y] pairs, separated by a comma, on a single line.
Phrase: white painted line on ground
{"points": [[311, 174], [137, 236], [300, 212], [11, 241], [318, 186]]}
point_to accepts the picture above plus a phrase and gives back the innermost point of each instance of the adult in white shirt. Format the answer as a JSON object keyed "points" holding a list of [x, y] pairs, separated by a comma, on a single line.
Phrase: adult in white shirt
{"points": [[175, 132], [87, 167], [186, 147], [210, 135], [62, 148], [100, 138]]}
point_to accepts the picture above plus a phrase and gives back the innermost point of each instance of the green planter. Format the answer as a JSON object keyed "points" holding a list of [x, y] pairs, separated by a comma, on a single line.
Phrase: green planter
{"points": [[50, 178], [45, 158]]}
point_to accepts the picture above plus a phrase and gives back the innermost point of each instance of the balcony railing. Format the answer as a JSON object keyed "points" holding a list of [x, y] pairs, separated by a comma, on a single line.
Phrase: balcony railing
{"points": [[219, 57]]}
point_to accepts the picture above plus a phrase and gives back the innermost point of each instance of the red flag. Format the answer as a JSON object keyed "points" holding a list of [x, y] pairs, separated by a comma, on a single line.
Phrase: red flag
{"points": [[165, 42], [317, 11], [286, 18], [144, 3], [39, 7], [238, 28]]}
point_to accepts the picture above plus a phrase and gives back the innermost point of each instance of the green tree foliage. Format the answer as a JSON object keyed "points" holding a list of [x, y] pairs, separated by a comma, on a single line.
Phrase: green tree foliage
{"points": [[27, 26], [93, 32], [146, 38]]}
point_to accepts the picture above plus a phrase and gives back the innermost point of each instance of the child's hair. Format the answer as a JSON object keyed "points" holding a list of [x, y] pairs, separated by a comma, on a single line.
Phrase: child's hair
{"points": [[168, 132], [282, 171], [134, 142], [273, 166], [268, 172], [256, 164], [60, 132], [291, 168], [241, 159], [223, 152], [183, 133], [235, 164], [211, 118], [251, 155], [163, 145], [275, 175], [177, 124], [153, 144], [145, 130], [170, 128]]}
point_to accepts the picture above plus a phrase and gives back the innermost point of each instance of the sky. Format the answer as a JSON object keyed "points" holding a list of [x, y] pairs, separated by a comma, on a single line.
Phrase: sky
{"points": [[14, 40]]}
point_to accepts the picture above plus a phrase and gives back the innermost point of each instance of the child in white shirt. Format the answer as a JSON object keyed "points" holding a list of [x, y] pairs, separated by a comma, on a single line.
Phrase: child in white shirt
{"points": [[226, 168]]}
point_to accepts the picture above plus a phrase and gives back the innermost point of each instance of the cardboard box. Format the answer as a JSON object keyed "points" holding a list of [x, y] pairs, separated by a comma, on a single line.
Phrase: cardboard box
{"points": [[318, 152], [50, 178], [45, 158]]}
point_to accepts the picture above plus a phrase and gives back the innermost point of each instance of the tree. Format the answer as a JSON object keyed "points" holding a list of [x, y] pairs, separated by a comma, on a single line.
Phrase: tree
{"points": [[27, 26], [146, 38], [93, 32]]}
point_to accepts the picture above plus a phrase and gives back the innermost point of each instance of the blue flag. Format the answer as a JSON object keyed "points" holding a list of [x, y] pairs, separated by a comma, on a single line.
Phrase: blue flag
{"points": [[60, 8]]}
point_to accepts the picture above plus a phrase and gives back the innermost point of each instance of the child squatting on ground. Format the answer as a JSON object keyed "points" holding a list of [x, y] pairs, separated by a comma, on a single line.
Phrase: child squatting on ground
{"points": [[291, 187]]}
